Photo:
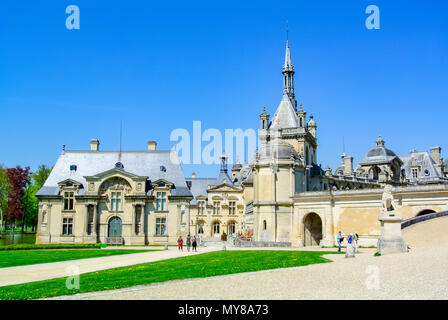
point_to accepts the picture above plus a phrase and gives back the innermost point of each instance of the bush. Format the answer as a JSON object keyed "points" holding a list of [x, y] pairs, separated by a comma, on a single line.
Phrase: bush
{"points": [[28, 246]]}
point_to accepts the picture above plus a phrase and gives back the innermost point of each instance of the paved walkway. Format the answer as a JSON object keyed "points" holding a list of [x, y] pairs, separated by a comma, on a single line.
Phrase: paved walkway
{"points": [[45, 271], [421, 273]]}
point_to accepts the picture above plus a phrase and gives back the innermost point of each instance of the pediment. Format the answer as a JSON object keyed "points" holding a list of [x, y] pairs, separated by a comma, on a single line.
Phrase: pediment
{"points": [[224, 188], [115, 172], [159, 182], [70, 181]]}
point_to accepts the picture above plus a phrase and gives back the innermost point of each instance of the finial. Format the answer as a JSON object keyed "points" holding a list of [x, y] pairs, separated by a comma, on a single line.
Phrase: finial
{"points": [[287, 31], [63, 147], [301, 106]]}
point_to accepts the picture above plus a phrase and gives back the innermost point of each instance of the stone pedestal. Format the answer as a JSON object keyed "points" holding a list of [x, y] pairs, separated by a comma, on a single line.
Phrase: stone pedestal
{"points": [[391, 240]]}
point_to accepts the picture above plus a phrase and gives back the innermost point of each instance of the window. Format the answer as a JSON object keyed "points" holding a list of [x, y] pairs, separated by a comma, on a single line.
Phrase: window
{"points": [[414, 173], [216, 207], [200, 227], [69, 198], [265, 225], [160, 226], [231, 228], [201, 207], [67, 226], [161, 201], [216, 228], [115, 203], [232, 208]]}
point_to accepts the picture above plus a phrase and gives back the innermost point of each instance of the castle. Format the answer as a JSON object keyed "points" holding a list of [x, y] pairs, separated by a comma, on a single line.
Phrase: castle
{"points": [[281, 196]]}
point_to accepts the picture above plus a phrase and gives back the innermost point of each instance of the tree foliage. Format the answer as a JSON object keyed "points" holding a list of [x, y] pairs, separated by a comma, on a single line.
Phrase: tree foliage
{"points": [[4, 194], [41, 175], [19, 180]]}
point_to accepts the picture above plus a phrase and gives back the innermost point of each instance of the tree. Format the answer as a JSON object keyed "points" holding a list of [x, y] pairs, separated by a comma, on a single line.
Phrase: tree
{"points": [[30, 201], [4, 195], [41, 175], [19, 180]]}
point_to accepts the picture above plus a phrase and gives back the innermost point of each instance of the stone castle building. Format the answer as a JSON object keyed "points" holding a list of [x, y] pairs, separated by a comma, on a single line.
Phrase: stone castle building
{"points": [[280, 196]]}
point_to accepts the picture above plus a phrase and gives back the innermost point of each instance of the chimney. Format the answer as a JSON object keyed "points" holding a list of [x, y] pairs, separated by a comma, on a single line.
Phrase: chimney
{"points": [[435, 155], [348, 166], [94, 145], [193, 175], [152, 145]]}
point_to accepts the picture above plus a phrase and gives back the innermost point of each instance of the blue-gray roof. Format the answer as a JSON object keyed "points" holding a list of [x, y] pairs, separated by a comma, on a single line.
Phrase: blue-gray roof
{"points": [[140, 163], [199, 187]]}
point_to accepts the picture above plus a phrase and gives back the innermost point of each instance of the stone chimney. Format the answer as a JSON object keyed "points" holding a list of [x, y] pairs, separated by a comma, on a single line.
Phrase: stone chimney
{"points": [[348, 166], [436, 156], [193, 175], [152, 145], [94, 145]]}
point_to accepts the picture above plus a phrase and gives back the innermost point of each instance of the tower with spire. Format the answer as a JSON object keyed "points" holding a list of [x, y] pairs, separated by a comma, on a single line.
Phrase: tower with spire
{"points": [[288, 74]]}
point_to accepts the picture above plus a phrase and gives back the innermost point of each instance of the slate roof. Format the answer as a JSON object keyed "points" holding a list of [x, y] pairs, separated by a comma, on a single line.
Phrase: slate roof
{"points": [[422, 159], [199, 187], [140, 163], [285, 116]]}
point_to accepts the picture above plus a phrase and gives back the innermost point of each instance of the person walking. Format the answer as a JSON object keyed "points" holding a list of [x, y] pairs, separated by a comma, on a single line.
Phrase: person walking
{"points": [[180, 243], [339, 239], [350, 252], [355, 241], [195, 244], [188, 242]]}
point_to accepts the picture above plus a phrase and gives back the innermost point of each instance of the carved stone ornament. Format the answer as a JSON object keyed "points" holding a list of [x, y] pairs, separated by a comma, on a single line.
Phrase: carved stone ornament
{"points": [[116, 184]]}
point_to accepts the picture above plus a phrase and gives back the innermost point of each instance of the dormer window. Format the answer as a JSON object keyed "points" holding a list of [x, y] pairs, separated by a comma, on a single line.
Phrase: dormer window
{"points": [[73, 167], [162, 168], [414, 172]]}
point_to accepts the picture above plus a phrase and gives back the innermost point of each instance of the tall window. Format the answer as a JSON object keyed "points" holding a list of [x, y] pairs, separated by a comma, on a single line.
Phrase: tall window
{"points": [[216, 228], [115, 203], [414, 173], [231, 228], [232, 208], [67, 226], [201, 207], [69, 199], [160, 226], [161, 201], [216, 207], [200, 227]]}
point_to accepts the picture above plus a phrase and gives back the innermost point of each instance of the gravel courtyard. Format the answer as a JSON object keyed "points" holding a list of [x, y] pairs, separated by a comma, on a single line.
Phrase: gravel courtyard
{"points": [[421, 273]]}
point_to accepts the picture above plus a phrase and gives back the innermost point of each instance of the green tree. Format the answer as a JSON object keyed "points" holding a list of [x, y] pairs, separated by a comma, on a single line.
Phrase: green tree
{"points": [[30, 201], [41, 175], [4, 196]]}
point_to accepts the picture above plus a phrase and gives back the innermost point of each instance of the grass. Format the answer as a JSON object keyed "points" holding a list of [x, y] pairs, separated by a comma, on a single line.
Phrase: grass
{"points": [[196, 266], [22, 258], [31, 246]]}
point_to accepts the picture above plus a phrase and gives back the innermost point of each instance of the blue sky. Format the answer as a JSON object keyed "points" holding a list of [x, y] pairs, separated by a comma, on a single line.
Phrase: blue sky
{"points": [[158, 66]]}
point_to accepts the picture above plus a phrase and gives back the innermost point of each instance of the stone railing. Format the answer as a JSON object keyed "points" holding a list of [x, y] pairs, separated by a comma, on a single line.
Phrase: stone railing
{"points": [[410, 222]]}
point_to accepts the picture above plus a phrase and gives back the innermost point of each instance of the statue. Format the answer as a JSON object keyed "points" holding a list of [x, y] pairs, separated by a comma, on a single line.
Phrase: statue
{"points": [[388, 199]]}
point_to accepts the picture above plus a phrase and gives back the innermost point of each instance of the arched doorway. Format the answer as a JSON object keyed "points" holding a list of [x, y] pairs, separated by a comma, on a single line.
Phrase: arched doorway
{"points": [[313, 230], [115, 226], [426, 211]]}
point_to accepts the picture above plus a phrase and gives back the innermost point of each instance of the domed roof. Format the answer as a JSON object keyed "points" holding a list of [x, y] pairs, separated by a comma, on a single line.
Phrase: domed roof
{"points": [[278, 149], [380, 154], [311, 123]]}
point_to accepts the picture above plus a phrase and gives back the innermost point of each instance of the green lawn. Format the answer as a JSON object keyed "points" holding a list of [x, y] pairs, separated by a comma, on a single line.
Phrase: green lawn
{"points": [[196, 266], [13, 258]]}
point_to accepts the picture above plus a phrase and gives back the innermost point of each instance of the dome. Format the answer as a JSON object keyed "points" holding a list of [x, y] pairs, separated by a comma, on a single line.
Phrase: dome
{"points": [[278, 149], [311, 123], [379, 154]]}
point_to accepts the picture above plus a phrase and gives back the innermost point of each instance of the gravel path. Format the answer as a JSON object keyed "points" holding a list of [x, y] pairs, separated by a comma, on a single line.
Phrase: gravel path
{"points": [[420, 274]]}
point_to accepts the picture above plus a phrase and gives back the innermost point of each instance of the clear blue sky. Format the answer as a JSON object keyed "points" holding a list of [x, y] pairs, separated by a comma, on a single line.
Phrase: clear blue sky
{"points": [[159, 65]]}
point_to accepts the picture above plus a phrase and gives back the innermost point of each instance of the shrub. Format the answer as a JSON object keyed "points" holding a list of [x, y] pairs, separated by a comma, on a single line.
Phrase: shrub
{"points": [[28, 246]]}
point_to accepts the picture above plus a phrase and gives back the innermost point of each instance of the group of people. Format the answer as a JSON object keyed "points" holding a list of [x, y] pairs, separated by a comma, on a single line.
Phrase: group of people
{"points": [[191, 242], [352, 240]]}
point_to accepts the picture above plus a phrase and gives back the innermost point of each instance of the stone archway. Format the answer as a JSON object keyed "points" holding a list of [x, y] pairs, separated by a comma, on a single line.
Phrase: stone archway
{"points": [[313, 229], [425, 211]]}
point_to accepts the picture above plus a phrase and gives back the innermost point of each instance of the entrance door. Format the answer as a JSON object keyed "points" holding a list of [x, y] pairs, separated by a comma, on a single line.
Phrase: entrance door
{"points": [[114, 227], [313, 230]]}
